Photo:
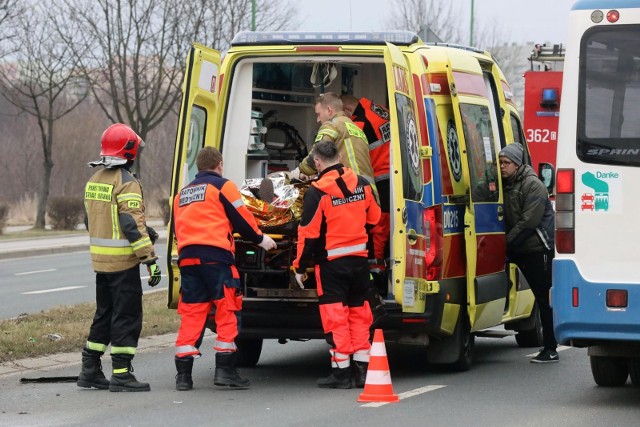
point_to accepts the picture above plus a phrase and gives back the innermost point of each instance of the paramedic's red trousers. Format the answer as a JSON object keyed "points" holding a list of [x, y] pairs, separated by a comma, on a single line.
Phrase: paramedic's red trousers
{"points": [[346, 316], [202, 286]]}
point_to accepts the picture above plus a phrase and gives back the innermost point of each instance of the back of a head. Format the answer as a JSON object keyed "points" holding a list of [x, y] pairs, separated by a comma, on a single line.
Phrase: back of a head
{"points": [[349, 101], [330, 99], [208, 159], [326, 151]]}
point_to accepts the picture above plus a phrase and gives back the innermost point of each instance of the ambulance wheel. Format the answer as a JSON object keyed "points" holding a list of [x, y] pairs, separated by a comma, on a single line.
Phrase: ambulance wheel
{"points": [[609, 371], [249, 350], [465, 347], [531, 337], [634, 371]]}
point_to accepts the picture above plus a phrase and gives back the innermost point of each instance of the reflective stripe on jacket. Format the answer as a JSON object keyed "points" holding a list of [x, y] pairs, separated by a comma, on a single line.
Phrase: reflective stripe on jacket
{"points": [[206, 213], [373, 119], [116, 221], [352, 146], [337, 209]]}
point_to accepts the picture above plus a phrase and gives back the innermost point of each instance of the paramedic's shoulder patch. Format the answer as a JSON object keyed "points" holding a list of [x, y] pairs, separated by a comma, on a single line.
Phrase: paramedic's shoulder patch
{"points": [[380, 111], [192, 194]]}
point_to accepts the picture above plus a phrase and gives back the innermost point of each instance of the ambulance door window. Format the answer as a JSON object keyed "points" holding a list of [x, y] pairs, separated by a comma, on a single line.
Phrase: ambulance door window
{"points": [[516, 128], [481, 152], [198, 123]]}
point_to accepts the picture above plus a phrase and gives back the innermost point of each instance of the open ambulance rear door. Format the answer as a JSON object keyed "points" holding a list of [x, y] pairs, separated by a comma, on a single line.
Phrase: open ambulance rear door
{"points": [[409, 240], [197, 127], [478, 144]]}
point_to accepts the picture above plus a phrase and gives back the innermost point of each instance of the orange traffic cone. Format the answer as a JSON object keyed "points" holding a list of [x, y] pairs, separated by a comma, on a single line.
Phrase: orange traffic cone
{"points": [[377, 387]]}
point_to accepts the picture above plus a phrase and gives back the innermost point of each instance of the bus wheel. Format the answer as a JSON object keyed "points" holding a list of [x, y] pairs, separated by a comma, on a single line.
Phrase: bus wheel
{"points": [[249, 350], [634, 371], [531, 337], [609, 371]]}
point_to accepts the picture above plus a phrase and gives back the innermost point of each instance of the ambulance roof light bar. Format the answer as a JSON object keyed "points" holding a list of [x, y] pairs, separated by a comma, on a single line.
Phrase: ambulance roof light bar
{"points": [[245, 38]]}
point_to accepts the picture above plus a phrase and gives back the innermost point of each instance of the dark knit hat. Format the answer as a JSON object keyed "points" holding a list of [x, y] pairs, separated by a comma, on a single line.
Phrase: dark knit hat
{"points": [[513, 152]]}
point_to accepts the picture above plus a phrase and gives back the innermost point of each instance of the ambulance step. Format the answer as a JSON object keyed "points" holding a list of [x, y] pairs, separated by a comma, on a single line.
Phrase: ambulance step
{"points": [[495, 333]]}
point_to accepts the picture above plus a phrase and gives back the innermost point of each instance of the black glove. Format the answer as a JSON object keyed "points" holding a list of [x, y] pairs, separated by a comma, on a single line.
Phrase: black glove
{"points": [[154, 274], [153, 234]]}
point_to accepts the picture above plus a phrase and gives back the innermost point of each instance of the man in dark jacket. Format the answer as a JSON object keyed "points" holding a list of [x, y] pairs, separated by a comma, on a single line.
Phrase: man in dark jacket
{"points": [[530, 245]]}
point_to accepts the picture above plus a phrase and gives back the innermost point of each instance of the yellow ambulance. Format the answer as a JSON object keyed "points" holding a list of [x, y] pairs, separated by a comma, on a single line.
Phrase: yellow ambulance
{"points": [[451, 111]]}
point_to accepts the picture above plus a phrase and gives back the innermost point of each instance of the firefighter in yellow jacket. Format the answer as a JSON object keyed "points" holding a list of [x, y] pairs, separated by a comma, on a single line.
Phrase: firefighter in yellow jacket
{"points": [[350, 139], [119, 241]]}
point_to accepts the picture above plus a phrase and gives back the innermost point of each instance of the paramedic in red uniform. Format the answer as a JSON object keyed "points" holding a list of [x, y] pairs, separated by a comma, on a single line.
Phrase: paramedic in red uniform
{"points": [[206, 213], [332, 235], [373, 119]]}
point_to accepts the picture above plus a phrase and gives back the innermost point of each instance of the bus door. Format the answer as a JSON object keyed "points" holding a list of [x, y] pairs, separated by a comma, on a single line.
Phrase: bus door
{"points": [[408, 246], [477, 133], [197, 123]]}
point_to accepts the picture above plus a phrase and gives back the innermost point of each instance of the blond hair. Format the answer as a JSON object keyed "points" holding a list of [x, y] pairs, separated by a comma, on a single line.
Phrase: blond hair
{"points": [[330, 99]]}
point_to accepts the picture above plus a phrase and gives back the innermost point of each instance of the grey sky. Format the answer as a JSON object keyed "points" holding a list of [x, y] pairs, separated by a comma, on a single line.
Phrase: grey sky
{"points": [[516, 20]]}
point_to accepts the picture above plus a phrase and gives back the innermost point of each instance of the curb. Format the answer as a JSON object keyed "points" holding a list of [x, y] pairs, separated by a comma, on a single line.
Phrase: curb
{"points": [[39, 365], [22, 253]]}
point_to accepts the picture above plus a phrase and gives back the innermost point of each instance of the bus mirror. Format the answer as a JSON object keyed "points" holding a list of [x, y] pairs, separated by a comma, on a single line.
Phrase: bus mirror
{"points": [[546, 174]]}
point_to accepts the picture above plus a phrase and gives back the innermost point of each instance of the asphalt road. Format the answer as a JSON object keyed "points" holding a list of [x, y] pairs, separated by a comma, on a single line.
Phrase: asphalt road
{"points": [[502, 389], [32, 284]]}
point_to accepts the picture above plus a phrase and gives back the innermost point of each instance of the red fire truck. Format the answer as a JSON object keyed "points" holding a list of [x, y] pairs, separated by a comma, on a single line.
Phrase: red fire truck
{"points": [[542, 93]]}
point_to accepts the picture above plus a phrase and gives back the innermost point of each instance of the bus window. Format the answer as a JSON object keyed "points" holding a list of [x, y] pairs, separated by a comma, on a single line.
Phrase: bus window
{"points": [[609, 96]]}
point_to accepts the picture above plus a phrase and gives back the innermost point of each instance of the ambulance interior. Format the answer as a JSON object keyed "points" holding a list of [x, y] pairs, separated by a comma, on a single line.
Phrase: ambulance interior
{"points": [[270, 125], [270, 120]]}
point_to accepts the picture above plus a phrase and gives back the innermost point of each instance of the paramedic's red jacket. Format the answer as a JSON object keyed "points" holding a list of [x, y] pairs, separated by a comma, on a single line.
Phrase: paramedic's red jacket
{"points": [[337, 208], [206, 214], [373, 119]]}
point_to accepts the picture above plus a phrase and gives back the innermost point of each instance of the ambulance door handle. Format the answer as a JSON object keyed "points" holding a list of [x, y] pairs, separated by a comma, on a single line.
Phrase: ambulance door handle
{"points": [[500, 213]]}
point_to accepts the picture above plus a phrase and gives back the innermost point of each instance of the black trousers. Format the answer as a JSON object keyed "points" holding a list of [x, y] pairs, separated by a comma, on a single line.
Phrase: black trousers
{"points": [[536, 268], [118, 317]]}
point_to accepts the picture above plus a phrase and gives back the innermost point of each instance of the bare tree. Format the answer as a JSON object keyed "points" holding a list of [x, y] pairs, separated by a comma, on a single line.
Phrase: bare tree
{"points": [[37, 82], [9, 11], [437, 15], [132, 52]]}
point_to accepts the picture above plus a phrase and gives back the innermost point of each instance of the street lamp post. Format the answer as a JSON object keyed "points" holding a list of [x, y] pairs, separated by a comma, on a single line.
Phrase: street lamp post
{"points": [[253, 15], [471, 25]]}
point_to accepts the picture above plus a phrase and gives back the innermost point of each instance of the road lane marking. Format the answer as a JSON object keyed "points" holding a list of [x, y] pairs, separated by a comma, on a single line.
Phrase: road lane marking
{"points": [[66, 288], [35, 272], [405, 395], [560, 348]]}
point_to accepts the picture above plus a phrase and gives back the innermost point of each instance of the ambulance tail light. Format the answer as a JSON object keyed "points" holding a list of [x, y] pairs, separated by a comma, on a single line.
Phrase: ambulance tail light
{"points": [[565, 211], [433, 252]]}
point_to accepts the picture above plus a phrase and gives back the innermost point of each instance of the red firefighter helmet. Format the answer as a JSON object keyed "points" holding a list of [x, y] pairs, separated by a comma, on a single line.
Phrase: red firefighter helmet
{"points": [[120, 141]]}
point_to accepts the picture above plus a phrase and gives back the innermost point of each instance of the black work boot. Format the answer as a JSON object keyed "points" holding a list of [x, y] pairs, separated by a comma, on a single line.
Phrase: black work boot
{"points": [[226, 373], [122, 378], [360, 373], [184, 366], [339, 378], [91, 374]]}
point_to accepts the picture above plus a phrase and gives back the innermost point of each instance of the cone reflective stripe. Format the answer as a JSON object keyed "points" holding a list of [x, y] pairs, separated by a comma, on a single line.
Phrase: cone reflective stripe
{"points": [[377, 387]]}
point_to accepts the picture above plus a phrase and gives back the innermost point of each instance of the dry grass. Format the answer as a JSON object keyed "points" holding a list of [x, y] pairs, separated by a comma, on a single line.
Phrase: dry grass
{"points": [[34, 335], [24, 211]]}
